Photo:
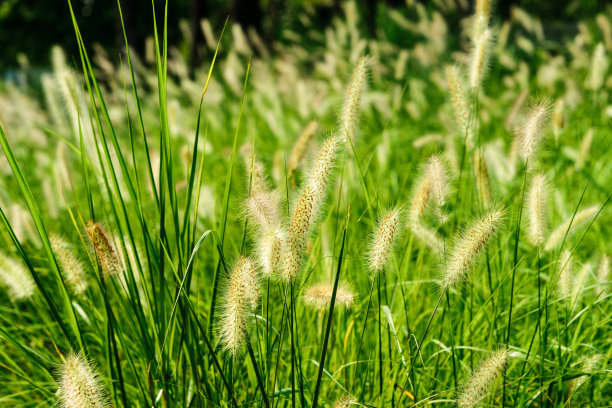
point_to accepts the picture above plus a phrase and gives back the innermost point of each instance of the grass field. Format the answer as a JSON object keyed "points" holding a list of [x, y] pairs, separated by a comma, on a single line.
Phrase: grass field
{"points": [[331, 220]]}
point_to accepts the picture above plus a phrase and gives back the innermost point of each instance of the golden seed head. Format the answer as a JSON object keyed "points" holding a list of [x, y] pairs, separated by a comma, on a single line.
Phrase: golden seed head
{"points": [[483, 180], [532, 130], [482, 379], [383, 242], [105, 250], [70, 263], [469, 245], [319, 296], [352, 99], [460, 103], [16, 278], [569, 226], [536, 210], [79, 385], [480, 54], [300, 147]]}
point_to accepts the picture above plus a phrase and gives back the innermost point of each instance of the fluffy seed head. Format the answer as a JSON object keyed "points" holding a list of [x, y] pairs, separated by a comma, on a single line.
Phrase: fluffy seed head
{"points": [[427, 236], [599, 68], [558, 118], [460, 103], [105, 250], [483, 180], [16, 278], [70, 263], [352, 99], [482, 379], [262, 209], [345, 402], [603, 272], [270, 248], [469, 245], [300, 147], [308, 206], [570, 224], [241, 292], [79, 385], [480, 54], [420, 200], [532, 130], [438, 176], [383, 242], [255, 169], [566, 278], [536, 209], [319, 296]]}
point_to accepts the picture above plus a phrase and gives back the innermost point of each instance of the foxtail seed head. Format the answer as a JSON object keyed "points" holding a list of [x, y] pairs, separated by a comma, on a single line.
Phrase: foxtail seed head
{"points": [[460, 103], [483, 180], [566, 278], [482, 379], [383, 242], [70, 264], [352, 99], [308, 206], [242, 292], [79, 385], [469, 245], [262, 209], [599, 68], [480, 54], [300, 147], [345, 401], [603, 272], [105, 250], [531, 132], [536, 209], [570, 226], [270, 248], [558, 118], [319, 296], [16, 278], [255, 169], [427, 236]]}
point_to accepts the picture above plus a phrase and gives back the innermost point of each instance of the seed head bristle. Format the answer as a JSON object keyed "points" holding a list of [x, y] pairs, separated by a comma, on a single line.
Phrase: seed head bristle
{"points": [[70, 263], [270, 248], [438, 176], [255, 169], [460, 103], [300, 147], [469, 245], [482, 379], [532, 130], [262, 209], [427, 236], [79, 385], [536, 210], [352, 99], [383, 242], [555, 238], [105, 250], [308, 206], [319, 296], [16, 278], [480, 54], [242, 291]]}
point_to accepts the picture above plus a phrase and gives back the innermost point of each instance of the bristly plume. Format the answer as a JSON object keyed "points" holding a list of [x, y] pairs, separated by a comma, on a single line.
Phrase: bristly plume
{"points": [[468, 246], [479, 56], [531, 132], [300, 148], [79, 385], [483, 180], [459, 101], [308, 206], [536, 210], [319, 296], [482, 379], [383, 241], [352, 99], [571, 224], [70, 263], [16, 278], [242, 292], [255, 169], [105, 250], [262, 209], [345, 401], [438, 176], [269, 248]]}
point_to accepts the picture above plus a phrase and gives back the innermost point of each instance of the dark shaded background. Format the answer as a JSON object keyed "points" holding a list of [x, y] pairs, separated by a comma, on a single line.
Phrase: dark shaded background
{"points": [[31, 27]]}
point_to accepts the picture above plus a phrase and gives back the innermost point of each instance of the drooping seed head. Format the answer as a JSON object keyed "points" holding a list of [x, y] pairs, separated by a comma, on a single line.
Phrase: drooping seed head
{"points": [[70, 263], [536, 210], [532, 130], [569, 226], [482, 379], [469, 245], [300, 147], [79, 385], [383, 242], [105, 250], [460, 103], [308, 206], [242, 292], [352, 99], [319, 296], [479, 57], [16, 278]]}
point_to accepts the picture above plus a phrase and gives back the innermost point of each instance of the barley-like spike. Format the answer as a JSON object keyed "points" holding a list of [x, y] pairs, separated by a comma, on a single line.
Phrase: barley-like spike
{"points": [[555, 238], [480, 54], [469, 245], [460, 103], [536, 210], [79, 385], [383, 242], [482, 379], [105, 250], [352, 99], [532, 130], [318, 296]]}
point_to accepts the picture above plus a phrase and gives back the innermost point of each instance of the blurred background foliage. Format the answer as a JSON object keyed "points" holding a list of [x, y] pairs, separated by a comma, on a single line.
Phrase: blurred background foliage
{"points": [[28, 28]]}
